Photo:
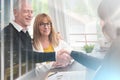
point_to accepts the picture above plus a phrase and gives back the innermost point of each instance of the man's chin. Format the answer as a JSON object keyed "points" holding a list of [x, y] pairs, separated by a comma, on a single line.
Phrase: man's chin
{"points": [[28, 24]]}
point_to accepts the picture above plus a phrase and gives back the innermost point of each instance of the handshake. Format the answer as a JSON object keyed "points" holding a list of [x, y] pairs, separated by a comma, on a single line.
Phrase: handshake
{"points": [[63, 59]]}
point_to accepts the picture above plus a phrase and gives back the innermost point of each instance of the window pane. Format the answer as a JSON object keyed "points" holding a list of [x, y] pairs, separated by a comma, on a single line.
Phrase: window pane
{"points": [[81, 19], [40, 6]]}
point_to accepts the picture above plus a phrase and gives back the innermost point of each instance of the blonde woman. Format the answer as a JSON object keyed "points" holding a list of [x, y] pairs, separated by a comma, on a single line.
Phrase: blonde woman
{"points": [[46, 40]]}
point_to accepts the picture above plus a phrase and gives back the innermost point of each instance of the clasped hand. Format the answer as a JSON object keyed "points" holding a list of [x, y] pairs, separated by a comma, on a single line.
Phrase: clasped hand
{"points": [[63, 58]]}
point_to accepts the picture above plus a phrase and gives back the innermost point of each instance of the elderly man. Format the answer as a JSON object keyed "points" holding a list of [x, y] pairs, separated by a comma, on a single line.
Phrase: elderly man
{"points": [[17, 41]]}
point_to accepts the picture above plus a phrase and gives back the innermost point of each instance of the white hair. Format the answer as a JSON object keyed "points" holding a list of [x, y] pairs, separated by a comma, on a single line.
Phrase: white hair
{"points": [[17, 3]]}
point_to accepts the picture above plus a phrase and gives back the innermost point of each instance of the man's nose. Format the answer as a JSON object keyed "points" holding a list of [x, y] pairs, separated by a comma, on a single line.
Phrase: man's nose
{"points": [[30, 14]]}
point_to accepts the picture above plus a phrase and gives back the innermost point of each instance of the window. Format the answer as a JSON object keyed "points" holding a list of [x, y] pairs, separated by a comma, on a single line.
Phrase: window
{"points": [[82, 21], [40, 6]]}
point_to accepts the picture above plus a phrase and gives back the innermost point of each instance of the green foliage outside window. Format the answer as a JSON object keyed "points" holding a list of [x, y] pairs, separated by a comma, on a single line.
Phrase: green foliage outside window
{"points": [[40, 6]]}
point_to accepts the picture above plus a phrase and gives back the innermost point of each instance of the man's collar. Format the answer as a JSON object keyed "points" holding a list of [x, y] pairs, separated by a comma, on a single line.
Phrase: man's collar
{"points": [[18, 27]]}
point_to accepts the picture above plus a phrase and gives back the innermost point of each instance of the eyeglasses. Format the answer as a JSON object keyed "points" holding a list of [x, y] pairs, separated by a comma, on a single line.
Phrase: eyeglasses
{"points": [[45, 24]]}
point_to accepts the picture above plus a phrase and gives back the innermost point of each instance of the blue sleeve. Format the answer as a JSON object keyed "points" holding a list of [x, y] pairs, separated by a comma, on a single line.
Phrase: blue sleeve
{"points": [[87, 61]]}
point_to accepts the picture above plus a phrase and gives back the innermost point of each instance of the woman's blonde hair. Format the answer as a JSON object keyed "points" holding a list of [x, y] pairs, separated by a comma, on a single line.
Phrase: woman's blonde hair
{"points": [[36, 32]]}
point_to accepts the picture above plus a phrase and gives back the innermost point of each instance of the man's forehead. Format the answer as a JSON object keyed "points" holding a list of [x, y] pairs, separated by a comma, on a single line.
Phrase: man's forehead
{"points": [[26, 6], [26, 3]]}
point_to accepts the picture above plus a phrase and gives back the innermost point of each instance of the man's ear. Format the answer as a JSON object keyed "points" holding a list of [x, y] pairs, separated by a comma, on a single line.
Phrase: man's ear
{"points": [[15, 12]]}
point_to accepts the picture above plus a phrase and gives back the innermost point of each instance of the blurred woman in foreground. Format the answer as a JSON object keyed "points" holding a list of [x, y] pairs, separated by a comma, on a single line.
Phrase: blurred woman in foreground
{"points": [[109, 67]]}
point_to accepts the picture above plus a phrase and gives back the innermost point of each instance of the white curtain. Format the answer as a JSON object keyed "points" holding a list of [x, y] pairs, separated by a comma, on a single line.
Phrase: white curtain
{"points": [[56, 11]]}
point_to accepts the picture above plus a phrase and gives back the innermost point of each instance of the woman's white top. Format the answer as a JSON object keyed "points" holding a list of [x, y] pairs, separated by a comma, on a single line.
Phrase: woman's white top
{"points": [[48, 65]]}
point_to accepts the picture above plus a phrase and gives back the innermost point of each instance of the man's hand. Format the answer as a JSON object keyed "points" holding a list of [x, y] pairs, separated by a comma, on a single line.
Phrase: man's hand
{"points": [[64, 51], [62, 59]]}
